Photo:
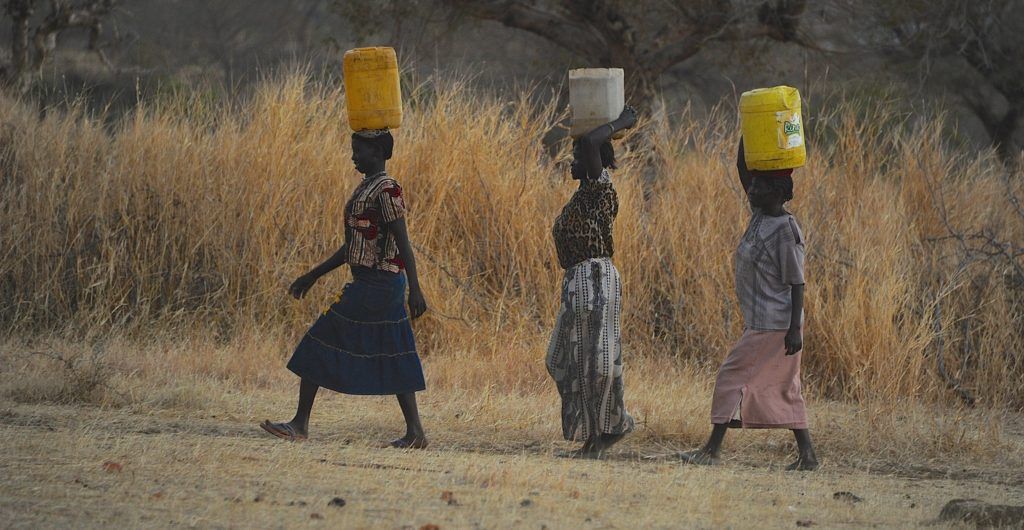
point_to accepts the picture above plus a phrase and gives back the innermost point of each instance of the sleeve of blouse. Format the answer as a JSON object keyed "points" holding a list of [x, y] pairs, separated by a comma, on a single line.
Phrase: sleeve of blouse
{"points": [[791, 254], [392, 202]]}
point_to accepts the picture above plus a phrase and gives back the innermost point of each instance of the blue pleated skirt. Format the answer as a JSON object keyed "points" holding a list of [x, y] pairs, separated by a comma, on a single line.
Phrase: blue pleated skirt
{"points": [[363, 344]]}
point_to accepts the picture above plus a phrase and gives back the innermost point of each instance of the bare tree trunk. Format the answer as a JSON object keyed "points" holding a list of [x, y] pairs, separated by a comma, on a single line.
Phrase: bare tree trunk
{"points": [[20, 12], [32, 47]]}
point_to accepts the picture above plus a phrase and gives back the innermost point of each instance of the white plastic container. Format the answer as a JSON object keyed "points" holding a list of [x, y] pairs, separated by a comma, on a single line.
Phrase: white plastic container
{"points": [[596, 97]]}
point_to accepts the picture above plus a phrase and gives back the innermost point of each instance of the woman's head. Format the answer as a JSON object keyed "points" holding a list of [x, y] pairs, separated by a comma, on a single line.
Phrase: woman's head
{"points": [[607, 159], [768, 188], [370, 149]]}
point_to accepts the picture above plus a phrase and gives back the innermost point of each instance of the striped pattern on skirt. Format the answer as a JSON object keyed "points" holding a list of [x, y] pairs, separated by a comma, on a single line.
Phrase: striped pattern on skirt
{"points": [[585, 354]]}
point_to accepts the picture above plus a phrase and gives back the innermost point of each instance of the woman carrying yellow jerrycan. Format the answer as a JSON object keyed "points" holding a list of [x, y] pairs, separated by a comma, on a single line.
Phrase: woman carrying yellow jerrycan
{"points": [[758, 385], [363, 344]]}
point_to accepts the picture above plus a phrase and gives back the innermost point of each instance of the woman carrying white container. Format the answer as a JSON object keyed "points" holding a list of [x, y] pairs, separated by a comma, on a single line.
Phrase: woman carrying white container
{"points": [[585, 356]]}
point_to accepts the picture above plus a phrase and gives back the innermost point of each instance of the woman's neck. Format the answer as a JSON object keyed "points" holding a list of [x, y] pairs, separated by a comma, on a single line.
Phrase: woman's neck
{"points": [[774, 210], [376, 170]]}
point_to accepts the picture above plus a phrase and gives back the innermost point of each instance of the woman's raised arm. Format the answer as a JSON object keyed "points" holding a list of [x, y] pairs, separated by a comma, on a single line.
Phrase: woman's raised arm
{"points": [[741, 167], [590, 143]]}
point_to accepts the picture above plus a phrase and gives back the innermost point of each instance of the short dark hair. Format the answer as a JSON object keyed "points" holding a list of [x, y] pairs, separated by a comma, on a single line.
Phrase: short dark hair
{"points": [[384, 142], [780, 181], [608, 155]]}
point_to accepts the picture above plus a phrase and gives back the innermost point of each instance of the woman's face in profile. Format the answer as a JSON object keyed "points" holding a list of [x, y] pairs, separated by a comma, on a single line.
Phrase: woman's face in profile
{"points": [[364, 156], [762, 194], [576, 167]]}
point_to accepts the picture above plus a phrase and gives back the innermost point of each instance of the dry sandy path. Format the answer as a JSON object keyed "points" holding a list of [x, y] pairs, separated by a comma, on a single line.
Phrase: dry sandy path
{"points": [[214, 470]]}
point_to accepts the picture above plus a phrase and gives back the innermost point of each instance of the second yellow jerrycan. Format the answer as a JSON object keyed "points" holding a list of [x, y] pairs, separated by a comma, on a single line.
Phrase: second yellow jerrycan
{"points": [[773, 131], [372, 89]]}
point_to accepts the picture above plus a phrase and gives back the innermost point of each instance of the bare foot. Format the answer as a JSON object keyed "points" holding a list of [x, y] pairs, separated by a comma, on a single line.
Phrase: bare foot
{"points": [[608, 440], [587, 452], [589, 449], [286, 431], [410, 441], [803, 464], [699, 457]]}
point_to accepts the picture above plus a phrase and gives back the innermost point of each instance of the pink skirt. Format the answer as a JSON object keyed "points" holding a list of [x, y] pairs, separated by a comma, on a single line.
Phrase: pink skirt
{"points": [[759, 384]]}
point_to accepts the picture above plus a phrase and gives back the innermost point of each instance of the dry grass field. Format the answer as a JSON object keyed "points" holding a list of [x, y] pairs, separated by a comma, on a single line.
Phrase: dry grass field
{"points": [[148, 448], [143, 266]]}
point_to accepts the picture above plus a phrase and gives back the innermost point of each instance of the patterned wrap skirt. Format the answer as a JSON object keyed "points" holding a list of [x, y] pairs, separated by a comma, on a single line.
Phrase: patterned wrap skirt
{"points": [[585, 354], [363, 344]]}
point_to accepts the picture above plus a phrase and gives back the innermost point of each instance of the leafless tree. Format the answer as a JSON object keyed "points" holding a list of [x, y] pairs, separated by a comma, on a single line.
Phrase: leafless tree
{"points": [[972, 48], [408, 24], [234, 30], [34, 40], [645, 37]]}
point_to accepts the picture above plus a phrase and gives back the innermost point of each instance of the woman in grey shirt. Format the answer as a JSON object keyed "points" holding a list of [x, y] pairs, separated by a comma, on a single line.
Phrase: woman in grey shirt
{"points": [[758, 385]]}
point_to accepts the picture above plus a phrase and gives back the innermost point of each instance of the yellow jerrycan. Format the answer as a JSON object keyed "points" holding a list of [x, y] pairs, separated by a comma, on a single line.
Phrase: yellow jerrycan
{"points": [[773, 130], [373, 93]]}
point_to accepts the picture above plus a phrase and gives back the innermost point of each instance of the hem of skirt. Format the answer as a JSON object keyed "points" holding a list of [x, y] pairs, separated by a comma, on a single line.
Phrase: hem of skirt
{"points": [[623, 432], [341, 390], [750, 425], [767, 330]]}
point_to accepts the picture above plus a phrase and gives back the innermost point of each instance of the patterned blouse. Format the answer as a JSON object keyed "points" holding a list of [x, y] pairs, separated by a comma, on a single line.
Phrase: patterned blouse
{"points": [[584, 228], [376, 201]]}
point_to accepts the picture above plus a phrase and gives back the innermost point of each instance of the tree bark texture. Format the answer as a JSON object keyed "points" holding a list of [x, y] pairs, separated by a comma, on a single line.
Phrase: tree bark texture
{"points": [[32, 45], [645, 38]]}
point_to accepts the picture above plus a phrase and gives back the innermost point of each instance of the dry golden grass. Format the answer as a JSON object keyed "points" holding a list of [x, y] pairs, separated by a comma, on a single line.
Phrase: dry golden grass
{"points": [[143, 268], [184, 433], [215, 476], [188, 214]]}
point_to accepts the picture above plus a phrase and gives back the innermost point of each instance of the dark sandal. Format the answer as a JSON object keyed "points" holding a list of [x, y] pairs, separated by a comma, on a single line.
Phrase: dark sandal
{"points": [[282, 430], [698, 457], [402, 443]]}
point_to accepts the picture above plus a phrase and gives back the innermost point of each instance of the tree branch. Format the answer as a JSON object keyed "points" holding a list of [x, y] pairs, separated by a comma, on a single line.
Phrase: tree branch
{"points": [[64, 15], [559, 28]]}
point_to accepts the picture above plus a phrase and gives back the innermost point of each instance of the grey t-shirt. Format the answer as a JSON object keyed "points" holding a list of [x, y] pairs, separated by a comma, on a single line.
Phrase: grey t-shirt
{"points": [[769, 261]]}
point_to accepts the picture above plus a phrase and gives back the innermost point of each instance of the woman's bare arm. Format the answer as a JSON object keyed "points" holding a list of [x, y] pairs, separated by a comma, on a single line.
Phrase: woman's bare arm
{"points": [[417, 304], [590, 143], [302, 285]]}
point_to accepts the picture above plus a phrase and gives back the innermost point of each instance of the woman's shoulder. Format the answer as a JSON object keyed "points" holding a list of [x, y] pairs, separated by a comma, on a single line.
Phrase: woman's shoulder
{"points": [[784, 226], [384, 182], [794, 228]]}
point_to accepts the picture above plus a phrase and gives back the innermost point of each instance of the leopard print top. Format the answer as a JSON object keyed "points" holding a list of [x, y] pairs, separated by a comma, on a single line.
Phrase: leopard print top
{"points": [[584, 228]]}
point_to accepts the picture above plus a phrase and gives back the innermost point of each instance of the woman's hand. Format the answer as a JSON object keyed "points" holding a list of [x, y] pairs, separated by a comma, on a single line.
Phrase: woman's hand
{"points": [[794, 341], [301, 286], [627, 119], [417, 304]]}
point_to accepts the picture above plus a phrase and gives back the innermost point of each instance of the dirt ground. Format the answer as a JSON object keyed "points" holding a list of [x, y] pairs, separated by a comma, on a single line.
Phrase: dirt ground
{"points": [[489, 466]]}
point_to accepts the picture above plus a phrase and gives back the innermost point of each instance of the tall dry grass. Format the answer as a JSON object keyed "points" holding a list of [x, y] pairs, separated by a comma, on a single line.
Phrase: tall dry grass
{"points": [[191, 217]]}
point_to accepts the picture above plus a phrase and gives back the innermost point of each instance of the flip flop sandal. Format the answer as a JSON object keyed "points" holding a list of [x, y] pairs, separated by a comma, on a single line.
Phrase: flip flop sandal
{"points": [[282, 430], [402, 444], [697, 458]]}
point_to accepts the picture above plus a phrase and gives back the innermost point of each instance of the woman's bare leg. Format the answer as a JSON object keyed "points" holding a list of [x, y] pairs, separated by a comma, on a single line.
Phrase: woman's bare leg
{"points": [[709, 454], [806, 460], [414, 436], [298, 428]]}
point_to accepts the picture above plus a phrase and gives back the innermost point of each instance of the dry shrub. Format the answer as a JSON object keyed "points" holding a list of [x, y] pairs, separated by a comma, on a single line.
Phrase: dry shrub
{"points": [[71, 376], [188, 217]]}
